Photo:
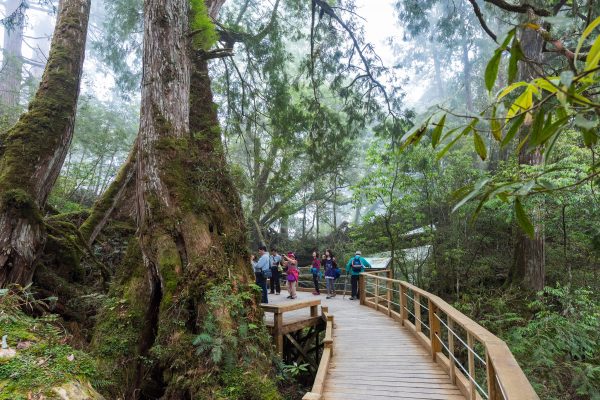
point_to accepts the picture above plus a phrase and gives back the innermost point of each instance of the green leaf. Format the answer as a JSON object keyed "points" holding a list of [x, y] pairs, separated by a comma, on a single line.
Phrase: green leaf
{"points": [[510, 88], [437, 132], [509, 35], [516, 54], [491, 70], [480, 147], [536, 128], [495, 126], [465, 131], [585, 34], [589, 137], [523, 220], [517, 122], [414, 135], [593, 57], [476, 189]]}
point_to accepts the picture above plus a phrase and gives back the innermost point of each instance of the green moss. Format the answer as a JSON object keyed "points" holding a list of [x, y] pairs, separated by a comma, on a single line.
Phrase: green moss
{"points": [[46, 361], [170, 268], [200, 23], [240, 384], [120, 322], [21, 204]]}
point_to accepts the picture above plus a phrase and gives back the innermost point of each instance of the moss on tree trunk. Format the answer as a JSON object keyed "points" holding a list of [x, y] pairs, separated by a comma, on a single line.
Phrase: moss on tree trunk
{"points": [[109, 200], [33, 150]]}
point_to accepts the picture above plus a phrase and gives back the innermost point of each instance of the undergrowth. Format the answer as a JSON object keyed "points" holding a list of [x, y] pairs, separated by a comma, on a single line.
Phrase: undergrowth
{"points": [[555, 337], [43, 359]]}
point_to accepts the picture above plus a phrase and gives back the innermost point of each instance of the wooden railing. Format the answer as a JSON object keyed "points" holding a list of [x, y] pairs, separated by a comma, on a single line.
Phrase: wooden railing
{"points": [[317, 389], [479, 363], [279, 329]]}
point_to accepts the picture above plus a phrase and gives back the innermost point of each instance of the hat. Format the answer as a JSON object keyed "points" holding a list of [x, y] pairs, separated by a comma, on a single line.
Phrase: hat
{"points": [[291, 254], [358, 253]]}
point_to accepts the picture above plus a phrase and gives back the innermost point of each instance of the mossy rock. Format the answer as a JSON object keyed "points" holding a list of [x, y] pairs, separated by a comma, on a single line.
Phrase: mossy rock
{"points": [[76, 390]]}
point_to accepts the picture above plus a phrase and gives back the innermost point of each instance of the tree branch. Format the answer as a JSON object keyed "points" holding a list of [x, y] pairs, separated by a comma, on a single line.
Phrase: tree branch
{"points": [[482, 22], [522, 8]]}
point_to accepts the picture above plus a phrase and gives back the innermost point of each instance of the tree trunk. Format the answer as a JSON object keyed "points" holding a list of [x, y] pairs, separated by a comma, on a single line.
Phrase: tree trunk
{"points": [[438, 72], [285, 228], [35, 148], [11, 70], [467, 76], [108, 201], [191, 226], [528, 268]]}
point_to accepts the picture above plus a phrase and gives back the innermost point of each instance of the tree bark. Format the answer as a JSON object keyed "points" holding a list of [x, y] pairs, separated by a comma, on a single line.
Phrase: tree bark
{"points": [[109, 200], [34, 149], [11, 70], [191, 226], [528, 268]]}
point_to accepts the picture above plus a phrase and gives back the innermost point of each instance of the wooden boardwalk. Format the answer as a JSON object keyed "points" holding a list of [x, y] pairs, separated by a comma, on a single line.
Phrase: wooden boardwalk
{"points": [[375, 357]]}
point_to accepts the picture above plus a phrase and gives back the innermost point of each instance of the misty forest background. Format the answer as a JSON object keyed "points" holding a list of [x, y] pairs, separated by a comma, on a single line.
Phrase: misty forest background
{"points": [[459, 136]]}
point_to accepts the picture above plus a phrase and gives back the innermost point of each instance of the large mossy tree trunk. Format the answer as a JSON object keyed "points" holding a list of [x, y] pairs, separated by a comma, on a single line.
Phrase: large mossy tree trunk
{"points": [[528, 269], [190, 222], [32, 152]]}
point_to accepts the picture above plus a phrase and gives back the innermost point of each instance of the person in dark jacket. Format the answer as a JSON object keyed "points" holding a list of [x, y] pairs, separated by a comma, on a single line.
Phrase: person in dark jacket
{"points": [[316, 272], [275, 281], [355, 266], [332, 272]]}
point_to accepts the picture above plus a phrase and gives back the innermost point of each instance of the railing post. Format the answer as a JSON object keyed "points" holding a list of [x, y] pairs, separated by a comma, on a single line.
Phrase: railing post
{"points": [[390, 287], [278, 328], [376, 292], [491, 379], [451, 350], [403, 304], [314, 311], [434, 329], [417, 305], [470, 351], [362, 279]]}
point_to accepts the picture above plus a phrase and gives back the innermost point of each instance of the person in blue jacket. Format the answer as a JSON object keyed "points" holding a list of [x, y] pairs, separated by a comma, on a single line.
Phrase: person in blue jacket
{"points": [[355, 266], [262, 271]]}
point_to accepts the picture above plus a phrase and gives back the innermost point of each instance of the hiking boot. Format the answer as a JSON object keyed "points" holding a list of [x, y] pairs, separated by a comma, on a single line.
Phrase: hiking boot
{"points": [[352, 298]]}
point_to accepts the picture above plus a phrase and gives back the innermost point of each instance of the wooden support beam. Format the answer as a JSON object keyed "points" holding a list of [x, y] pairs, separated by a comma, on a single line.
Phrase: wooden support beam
{"points": [[434, 329], [301, 351], [451, 350], [417, 305]]}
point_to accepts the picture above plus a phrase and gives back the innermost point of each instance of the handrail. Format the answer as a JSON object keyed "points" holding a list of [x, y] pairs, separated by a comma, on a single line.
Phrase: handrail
{"points": [[319, 384], [279, 309], [503, 378]]}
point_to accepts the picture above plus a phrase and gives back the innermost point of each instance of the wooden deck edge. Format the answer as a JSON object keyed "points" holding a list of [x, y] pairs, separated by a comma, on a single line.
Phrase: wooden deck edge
{"points": [[508, 380], [316, 392]]}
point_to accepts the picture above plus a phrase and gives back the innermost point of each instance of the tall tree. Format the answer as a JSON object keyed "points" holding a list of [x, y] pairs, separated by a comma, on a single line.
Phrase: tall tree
{"points": [[34, 149], [190, 222], [529, 257], [11, 69]]}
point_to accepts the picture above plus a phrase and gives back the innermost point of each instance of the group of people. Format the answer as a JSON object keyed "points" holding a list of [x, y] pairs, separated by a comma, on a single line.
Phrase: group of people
{"points": [[271, 267]]}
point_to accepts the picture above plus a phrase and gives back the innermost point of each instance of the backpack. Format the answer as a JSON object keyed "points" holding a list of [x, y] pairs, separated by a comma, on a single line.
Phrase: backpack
{"points": [[336, 273], [267, 273], [356, 265]]}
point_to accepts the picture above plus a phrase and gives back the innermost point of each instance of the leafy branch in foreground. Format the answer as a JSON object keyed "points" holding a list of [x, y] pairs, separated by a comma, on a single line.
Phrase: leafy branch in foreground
{"points": [[529, 117]]}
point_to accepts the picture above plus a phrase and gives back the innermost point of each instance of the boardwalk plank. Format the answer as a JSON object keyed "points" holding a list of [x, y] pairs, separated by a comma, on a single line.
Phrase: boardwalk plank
{"points": [[376, 358]]}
